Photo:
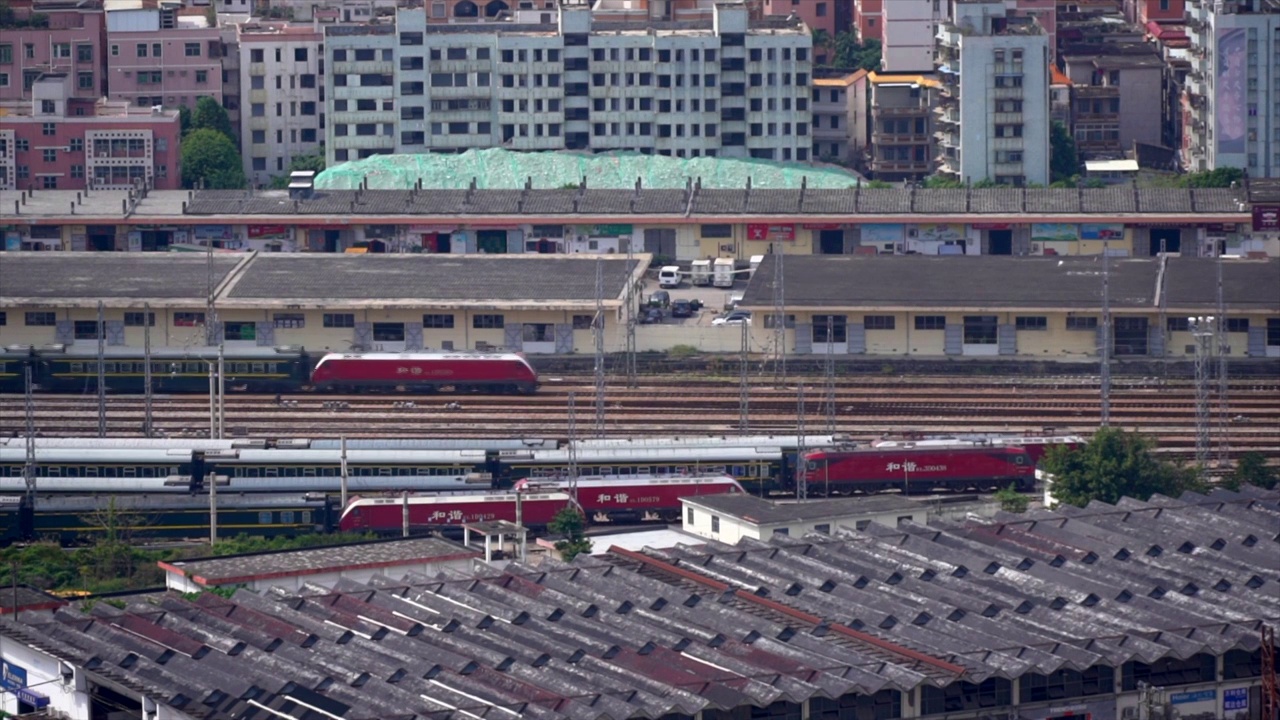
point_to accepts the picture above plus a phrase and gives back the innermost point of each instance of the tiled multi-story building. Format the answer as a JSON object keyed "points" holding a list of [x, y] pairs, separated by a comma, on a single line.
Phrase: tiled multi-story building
{"points": [[909, 32], [1117, 97], [992, 112], [830, 16], [868, 20], [158, 56], [282, 93], [48, 36], [563, 79], [840, 116], [1231, 100], [1142, 12], [59, 141], [901, 122]]}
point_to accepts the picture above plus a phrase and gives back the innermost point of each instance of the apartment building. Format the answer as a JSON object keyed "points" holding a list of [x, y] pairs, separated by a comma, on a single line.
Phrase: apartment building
{"points": [[991, 112], [830, 16], [1231, 100], [839, 116], [868, 19], [564, 79], [901, 124], [53, 36], [158, 56], [57, 141], [1141, 12], [910, 27], [282, 89], [1118, 97]]}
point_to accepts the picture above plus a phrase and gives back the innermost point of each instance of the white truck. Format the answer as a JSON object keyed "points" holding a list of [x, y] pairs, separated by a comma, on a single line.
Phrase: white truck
{"points": [[669, 276], [724, 273], [701, 272]]}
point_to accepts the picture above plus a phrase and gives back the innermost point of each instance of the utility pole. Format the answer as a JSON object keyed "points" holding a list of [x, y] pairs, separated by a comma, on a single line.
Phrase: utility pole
{"points": [[744, 382], [598, 331], [211, 311], [1224, 351], [573, 446], [211, 476], [222, 389], [29, 468], [1163, 300], [1104, 370], [1202, 329], [829, 376], [779, 320], [404, 513], [102, 373], [146, 370], [630, 359], [802, 479]]}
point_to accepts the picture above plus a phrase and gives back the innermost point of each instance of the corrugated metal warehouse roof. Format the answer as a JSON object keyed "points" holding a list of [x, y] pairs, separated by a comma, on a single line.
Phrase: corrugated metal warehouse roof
{"points": [[711, 627]]}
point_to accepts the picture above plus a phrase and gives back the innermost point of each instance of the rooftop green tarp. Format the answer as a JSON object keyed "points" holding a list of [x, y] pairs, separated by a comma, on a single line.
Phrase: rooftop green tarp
{"points": [[496, 169]]}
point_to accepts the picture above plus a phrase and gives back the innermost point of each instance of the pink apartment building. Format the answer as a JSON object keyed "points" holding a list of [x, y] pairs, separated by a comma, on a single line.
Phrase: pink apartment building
{"points": [[70, 41], [59, 141], [1142, 12], [868, 18], [831, 16], [157, 56]]}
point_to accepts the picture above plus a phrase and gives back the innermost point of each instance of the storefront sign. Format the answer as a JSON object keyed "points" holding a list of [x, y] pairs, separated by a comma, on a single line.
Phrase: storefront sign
{"points": [[771, 233], [1096, 231], [1054, 232], [12, 676], [613, 230], [1220, 227], [990, 226], [1266, 218], [820, 226], [1193, 697], [268, 231], [1235, 699]]}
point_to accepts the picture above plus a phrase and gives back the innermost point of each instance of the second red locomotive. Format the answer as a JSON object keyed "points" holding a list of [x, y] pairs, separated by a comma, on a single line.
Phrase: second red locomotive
{"points": [[425, 372], [870, 470]]}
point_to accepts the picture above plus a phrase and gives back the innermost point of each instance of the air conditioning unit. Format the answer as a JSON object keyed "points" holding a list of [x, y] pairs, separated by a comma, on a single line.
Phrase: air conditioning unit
{"points": [[102, 154], [1129, 713]]}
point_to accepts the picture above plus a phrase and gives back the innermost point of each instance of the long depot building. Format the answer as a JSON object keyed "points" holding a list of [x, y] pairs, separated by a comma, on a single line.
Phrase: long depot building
{"points": [[913, 306], [1141, 610], [682, 224]]}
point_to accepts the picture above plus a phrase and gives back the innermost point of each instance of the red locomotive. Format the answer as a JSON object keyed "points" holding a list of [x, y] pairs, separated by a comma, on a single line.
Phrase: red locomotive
{"points": [[1036, 444], [630, 498], [438, 512], [920, 469], [425, 372]]}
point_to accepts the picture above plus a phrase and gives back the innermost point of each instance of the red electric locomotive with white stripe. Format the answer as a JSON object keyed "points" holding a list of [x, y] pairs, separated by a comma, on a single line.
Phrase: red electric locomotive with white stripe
{"points": [[441, 512], [633, 498], [919, 469], [1036, 444], [425, 372]]}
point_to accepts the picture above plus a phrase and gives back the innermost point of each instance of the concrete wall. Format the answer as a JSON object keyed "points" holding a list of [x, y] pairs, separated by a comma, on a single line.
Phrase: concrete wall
{"points": [[426, 567], [731, 529]]}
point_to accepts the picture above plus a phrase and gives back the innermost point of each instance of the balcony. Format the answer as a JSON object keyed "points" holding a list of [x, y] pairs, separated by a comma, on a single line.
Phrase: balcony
{"points": [[903, 111], [351, 118], [369, 92], [882, 138], [365, 142], [913, 167], [367, 67]]}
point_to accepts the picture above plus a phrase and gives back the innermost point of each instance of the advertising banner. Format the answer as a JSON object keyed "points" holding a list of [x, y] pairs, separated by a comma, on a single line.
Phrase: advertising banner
{"points": [[1266, 218], [1229, 90], [771, 233], [1054, 232], [1098, 231]]}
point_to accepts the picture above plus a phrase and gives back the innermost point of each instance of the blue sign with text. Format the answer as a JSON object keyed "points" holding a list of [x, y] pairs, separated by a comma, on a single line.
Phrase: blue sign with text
{"points": [[1191, 697], [12, 676], [1235, 699]]}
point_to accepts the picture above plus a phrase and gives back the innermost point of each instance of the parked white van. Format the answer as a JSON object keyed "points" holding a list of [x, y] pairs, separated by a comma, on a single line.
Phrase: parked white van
{"points": [[669, 276]]}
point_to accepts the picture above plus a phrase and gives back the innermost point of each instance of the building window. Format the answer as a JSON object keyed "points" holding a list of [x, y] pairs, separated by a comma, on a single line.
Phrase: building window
{"points": [[188, 319], [141, 50], [84, 80], [48, 129], [135, 319], [240, 330], [339, 320], [1238, 325], [1082, 323], [191, 49], [717, 231], [981, 329], [41, 319], [289, 321], [49, 182], [879, 322], [837, 327], [388, 332], [487, 322], [438, 321], [49, 155], [689, 516], [86, 329], [931, 322], [202, 76], [77, 171], [6, 54], [1031, 322], [300, 54], [715, 523]]}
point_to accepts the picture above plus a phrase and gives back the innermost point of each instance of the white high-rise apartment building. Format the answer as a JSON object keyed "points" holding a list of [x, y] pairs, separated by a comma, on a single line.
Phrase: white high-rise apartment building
{"points": [[1231, 100], [562, 78], [992, 112], [281, 112]]}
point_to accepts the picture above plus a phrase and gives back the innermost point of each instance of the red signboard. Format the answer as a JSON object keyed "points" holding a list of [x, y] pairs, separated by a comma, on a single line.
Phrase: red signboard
{"points": [[763, 231], [820, 226], [258, 231], [990, 226], [1266, 218]]}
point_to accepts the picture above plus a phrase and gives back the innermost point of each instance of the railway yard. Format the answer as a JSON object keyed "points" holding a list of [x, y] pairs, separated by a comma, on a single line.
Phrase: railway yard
{"points": [[865, 408]]}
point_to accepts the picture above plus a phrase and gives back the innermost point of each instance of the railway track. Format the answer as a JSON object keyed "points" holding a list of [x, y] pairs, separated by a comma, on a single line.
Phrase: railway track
{"points": [[865, 407]]}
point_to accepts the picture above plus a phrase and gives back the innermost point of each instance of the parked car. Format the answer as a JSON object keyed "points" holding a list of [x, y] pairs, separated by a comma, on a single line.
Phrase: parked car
{"points": [[737, 317], [682, 309], [651, 316], [660, 299]]}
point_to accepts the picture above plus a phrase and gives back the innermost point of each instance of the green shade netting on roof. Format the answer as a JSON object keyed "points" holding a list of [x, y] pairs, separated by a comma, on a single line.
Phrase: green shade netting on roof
{"points": [[496, 168]]}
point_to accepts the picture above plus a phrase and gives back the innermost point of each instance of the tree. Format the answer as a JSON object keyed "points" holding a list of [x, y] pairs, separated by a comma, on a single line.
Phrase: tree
{"points": [[184, 120], [211, 15], [1217, 178], [941, 182], [1251, 469], [849, 53], [1011, 500], [209, 115], [570, 523], [211, 157], [1112, 465], [299, 163], [1063, 161]]}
